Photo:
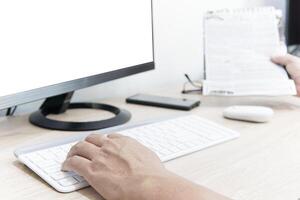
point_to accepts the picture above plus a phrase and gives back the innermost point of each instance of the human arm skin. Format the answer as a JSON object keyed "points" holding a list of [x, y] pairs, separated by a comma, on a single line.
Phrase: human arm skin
{"points": [[292, 64], [120, 168]]}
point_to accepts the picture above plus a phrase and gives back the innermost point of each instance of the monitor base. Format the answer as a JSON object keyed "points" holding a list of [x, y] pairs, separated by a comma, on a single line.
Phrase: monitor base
{"points": [[59, 104], [40, 119]]}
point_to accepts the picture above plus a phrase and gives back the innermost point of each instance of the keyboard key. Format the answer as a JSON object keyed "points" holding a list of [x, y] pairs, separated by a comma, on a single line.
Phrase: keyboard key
{"points": [[61, 175], [53, 169], [79, 178], [47, 164], [35, 158], [68, 181]]}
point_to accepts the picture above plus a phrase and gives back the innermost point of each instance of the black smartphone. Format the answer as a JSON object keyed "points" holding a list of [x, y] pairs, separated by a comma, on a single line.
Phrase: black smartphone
{"points": [[165, 102]]}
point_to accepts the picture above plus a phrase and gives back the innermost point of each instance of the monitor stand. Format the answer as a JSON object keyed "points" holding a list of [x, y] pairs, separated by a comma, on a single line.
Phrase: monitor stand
{"points": [[61, 103]]}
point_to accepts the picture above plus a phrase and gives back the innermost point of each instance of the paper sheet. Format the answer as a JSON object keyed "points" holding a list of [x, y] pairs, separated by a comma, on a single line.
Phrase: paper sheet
{"points": [[238, 48]]}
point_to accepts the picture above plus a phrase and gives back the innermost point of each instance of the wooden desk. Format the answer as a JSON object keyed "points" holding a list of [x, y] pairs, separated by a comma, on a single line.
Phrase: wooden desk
{"points": [[263, 164]]}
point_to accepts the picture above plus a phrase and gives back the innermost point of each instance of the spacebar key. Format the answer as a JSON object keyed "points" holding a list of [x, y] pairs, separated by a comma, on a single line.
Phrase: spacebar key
{"points": [[67, 181]]}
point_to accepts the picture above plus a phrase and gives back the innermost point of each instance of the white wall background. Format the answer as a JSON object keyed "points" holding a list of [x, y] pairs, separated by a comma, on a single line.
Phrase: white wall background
{"points": [[178, 47]]}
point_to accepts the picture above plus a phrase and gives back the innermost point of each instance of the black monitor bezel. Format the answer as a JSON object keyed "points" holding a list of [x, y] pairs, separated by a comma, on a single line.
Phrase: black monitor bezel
{"points": [[69, 86]]}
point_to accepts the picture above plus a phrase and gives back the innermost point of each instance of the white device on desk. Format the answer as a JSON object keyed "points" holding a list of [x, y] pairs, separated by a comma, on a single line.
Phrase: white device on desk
{"points": [[169, 139], [257, 114]]}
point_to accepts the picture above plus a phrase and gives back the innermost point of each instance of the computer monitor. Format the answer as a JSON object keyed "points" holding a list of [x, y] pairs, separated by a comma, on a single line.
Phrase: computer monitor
{"points": [[49, 49], [293, 22]]}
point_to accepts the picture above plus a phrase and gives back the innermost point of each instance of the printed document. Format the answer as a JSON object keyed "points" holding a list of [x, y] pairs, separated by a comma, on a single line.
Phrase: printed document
{"points": [[238, 49]]}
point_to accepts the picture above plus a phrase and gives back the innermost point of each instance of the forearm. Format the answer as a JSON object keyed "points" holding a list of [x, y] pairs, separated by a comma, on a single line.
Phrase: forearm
{"points": [[173, 187]]}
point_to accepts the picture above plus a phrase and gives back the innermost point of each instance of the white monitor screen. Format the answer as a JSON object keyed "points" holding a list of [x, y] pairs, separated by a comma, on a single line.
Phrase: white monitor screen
{"points": [[45, 42]]}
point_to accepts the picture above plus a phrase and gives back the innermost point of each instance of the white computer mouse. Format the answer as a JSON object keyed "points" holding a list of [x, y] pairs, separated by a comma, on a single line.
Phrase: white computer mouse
{"points": [[257, 114]]}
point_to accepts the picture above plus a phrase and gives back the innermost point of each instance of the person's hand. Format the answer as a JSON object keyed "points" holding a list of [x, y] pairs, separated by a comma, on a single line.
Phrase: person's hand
{"points": [[120, 168], [292, 64], [117, 167]]}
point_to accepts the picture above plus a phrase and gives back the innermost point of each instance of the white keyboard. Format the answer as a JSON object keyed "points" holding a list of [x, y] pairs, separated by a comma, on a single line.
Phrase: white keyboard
{"points": [[169, 139]]}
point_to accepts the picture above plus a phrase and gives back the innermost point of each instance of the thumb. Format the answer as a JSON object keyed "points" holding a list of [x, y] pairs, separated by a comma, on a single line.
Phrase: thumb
{"points": [[284, 60]]}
